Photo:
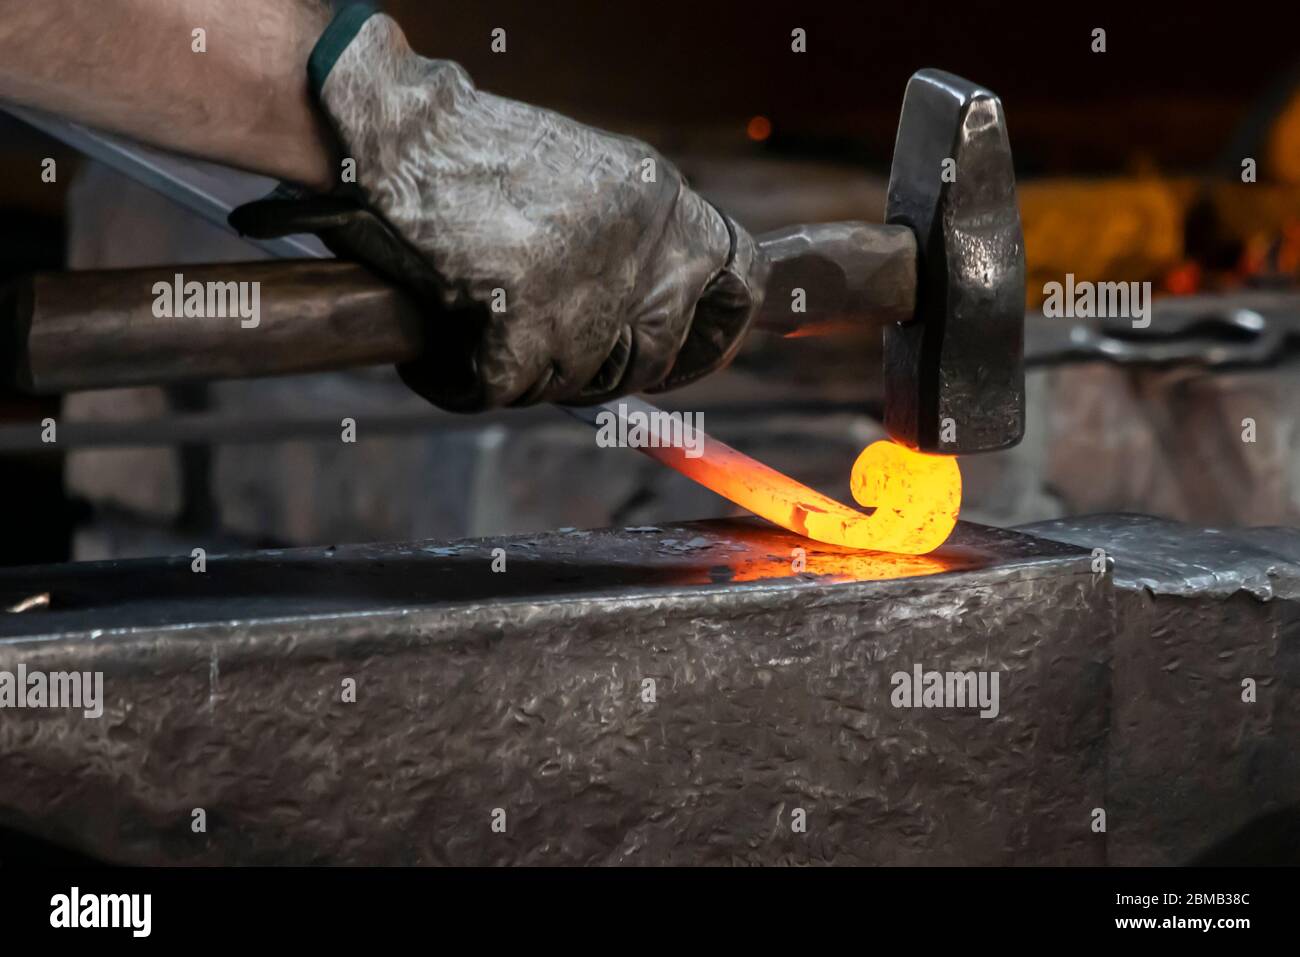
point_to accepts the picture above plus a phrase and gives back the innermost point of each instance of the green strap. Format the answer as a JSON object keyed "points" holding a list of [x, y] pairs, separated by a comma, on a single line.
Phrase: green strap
{"points": [[341, 31]]}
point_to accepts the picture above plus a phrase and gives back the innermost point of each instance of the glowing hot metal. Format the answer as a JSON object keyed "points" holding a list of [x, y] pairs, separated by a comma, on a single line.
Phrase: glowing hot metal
{"points": [[916, 497]]}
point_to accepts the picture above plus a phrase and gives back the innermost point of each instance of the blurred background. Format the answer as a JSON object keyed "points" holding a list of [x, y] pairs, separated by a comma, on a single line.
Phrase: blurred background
{"points": [[1129, 164]]}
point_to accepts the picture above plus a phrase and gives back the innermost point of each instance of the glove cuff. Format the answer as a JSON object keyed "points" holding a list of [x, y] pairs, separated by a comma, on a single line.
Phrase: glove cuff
{"points": [[343, 29]]}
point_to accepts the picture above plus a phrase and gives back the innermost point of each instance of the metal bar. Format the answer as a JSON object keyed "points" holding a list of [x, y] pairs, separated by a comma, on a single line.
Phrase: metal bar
{"points": [[1238, 329], [914, 509], [741, 422], [203, 428], [205, 189]]}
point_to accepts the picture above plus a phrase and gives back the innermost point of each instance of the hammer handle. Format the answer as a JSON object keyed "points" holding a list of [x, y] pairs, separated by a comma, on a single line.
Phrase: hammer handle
{"points": [[837, 276], [98, 329], [101, 329]]}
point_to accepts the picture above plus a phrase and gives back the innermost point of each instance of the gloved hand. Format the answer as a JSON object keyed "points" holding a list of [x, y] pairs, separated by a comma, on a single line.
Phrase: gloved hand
{"points": [[559, 263]]}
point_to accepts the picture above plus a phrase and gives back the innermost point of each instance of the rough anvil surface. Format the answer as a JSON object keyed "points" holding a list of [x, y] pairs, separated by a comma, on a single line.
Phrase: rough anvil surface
{"points": [[527, 690], [1201, 764]]}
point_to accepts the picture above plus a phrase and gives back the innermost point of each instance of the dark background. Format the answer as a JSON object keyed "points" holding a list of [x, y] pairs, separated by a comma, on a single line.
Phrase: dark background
{"points": [[1177, 83], [1174, 83]]}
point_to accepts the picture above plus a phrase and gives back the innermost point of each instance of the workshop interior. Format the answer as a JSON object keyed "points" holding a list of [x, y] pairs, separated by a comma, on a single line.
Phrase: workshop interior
{"points": [[982, 550]]}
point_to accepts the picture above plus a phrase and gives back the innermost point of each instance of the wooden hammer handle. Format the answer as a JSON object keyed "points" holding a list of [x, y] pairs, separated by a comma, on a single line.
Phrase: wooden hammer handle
{"points": [[107, 328]]}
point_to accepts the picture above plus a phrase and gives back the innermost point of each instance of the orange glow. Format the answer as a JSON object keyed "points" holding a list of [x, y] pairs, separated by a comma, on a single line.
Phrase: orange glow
{"points": [[1288, 254], [1184, 279], [827, 327], [827, 563], [1255, 255], [759, 128], [916, 497]]}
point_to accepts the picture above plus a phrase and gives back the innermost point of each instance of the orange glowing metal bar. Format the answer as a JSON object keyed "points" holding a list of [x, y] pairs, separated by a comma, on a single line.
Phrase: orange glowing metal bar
{"points": [[916, 497]]}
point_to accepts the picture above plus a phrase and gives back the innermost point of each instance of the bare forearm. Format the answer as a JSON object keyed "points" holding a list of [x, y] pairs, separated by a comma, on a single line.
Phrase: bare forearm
{"points": [[129, 66]]}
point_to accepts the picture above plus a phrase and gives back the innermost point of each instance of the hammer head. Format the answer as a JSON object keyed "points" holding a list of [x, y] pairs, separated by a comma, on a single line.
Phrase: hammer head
{"points": [[955, 374]]}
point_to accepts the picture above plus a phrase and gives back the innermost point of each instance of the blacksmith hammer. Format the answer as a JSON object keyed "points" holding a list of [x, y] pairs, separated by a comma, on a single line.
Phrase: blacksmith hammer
{"points": [[943, 278]]}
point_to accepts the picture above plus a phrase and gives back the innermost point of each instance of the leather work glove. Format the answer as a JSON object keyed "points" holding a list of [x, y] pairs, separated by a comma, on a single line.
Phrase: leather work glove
{"points": [[559, 263]]}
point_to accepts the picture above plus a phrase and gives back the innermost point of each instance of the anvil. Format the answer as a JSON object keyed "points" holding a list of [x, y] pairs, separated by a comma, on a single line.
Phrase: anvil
{"points": [[668, 695]]}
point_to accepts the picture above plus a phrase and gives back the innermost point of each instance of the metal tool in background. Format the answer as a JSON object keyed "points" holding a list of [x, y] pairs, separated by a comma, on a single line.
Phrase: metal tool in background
{"points": [[207, 189], [1211, 330], [943, 279]]}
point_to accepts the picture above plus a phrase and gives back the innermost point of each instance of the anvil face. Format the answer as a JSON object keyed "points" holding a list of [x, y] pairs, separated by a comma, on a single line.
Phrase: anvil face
{"points": [[717, 559]]}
